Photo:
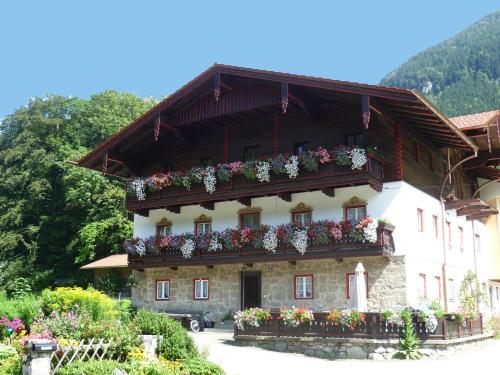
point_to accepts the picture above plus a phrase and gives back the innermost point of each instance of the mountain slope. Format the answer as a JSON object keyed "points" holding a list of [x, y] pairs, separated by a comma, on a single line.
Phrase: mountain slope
{"points": [[460, 75]]}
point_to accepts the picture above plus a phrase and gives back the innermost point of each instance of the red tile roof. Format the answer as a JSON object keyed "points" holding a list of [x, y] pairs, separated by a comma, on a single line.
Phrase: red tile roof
{"points": [[475, 120]]}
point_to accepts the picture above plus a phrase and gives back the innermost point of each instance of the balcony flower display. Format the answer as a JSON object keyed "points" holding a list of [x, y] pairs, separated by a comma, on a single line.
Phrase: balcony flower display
{"points": [[346, 319], [289, 165], [296, 316], [267, 237], [253, 317]]}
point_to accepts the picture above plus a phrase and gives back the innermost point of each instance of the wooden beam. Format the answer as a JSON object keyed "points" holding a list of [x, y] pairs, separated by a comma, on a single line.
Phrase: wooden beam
{"points": [[173, 268], [287, 197], [210, 266], [328, 191], [176, 209], [246, 201], [209, 205]]}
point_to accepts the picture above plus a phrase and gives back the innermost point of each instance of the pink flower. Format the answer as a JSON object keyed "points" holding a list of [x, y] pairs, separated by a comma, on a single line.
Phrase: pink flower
{"points": [[236, 166]]}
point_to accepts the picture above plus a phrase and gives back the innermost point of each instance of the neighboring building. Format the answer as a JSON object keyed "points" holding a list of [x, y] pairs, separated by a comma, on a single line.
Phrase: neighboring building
{"points": [[229, 114], [111, 274], [484, 129]]}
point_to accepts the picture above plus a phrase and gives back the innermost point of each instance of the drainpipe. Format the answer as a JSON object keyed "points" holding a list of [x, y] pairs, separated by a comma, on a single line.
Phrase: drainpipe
{"points": [[443, 230]]}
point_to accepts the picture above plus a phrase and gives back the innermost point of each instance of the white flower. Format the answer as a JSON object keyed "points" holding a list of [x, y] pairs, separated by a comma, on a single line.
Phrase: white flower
{"points": [[137, 186], [270, 240], [299, 240], [209, 180], [431, 323], [358, 158], [140, 248], [214, 244], [187, 248], [370, 232], [292, 166], [262, 174]]}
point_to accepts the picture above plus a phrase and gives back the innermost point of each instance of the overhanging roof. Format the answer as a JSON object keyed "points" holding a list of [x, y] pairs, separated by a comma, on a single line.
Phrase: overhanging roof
{"points": [[472, 209], [112, 261], [406, 107], [475, 120]]}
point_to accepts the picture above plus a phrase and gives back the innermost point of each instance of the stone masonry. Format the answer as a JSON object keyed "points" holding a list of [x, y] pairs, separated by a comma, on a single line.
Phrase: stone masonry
{"points": [[386, 285]]}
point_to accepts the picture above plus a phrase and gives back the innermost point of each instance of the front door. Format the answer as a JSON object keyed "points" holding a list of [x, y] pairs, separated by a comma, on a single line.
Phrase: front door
{"points": [[250, 289]]}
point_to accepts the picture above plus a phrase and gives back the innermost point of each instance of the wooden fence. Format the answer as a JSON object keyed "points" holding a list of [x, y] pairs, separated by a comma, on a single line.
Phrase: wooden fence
{"points": [[374, 328], [96, 349]]}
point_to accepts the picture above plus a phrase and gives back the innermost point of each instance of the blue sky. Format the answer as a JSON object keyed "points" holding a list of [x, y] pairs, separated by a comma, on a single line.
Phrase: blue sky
{"points": [[151, 48]]}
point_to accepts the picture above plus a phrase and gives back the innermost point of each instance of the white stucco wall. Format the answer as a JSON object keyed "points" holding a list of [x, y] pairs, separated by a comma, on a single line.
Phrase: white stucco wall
{"points": [[398, 202]]}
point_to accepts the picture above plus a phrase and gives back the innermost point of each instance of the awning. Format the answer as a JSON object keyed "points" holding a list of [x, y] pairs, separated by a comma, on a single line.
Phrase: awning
{"points": [[113, 261]]}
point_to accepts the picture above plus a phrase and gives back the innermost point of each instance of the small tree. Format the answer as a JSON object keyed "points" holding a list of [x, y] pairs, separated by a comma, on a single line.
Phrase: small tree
{"points": [[471, 295], [409, 341]]}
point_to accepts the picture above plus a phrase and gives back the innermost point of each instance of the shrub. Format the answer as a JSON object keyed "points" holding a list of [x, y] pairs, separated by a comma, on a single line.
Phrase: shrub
{"points": [[26, 308], [200, 366], [176, 343], [108, 367], [409, 341], [95, 304], [10, 361]]}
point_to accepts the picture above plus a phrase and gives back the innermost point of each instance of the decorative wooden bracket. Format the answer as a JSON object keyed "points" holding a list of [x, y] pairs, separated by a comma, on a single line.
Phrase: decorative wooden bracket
{"points": [[105, 163], [209, 205], [249, 265], [157, 127], [287, 197], [247, 201], [328, 191], [284, 96], [173, 268], [217, 86], [176, 209], [292, 262], [365, 108], [210, 266]]}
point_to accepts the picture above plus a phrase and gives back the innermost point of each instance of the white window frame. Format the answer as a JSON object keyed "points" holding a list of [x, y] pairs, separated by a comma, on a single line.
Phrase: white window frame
{"points": [[162, 286], [357, 213], [303, 284], [205, 226], [300, 218], [199, 290]]}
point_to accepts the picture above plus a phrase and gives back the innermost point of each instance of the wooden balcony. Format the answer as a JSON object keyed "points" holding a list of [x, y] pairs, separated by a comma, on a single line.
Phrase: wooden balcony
{"points": [[347, 247], [327, 178]]}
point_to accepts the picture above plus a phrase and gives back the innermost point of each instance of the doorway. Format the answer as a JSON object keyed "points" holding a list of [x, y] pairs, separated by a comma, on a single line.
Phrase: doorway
{"points": [[250, 289]]}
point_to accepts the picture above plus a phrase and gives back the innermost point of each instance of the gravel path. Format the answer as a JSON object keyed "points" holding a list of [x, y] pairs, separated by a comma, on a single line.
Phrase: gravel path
{"points": [[237, 360]]}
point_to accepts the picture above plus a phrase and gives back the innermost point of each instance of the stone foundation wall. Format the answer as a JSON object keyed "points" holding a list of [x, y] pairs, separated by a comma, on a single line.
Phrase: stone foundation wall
{"points": [[351, 348], [386, 285]]}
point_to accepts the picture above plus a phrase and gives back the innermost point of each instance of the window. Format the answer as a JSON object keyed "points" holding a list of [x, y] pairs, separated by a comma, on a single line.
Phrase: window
{"points": [[251, 153], [206, 162], [437, 279], [200, 289], [163, 228], [451, 289], [415, 151], [300, 147], [250, 220], [303, 287], [422, 285], [477, 241], [302, 219], [351, 285], [162, 290], [203, 227], [354, 139], [420, 219], [355, 213], [461, 236], [435, 226]]}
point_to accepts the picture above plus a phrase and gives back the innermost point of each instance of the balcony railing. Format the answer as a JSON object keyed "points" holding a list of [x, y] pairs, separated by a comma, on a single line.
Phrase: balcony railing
{"points": [[327, 177], [374, 328], [344, 248]]}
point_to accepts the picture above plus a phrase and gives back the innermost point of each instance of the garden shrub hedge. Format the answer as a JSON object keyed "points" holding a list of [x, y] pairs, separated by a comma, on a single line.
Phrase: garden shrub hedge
{"points": [[27, 308], [176, 343], [10, 361]]}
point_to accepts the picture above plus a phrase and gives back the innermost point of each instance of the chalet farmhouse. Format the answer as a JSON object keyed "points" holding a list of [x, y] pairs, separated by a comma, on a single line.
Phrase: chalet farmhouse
{"points": [[257, 188]]}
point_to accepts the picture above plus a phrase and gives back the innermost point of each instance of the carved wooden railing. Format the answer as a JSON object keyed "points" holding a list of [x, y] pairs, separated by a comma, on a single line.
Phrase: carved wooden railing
{"points": [[374, 328], [328, 176], [347, 247]]}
